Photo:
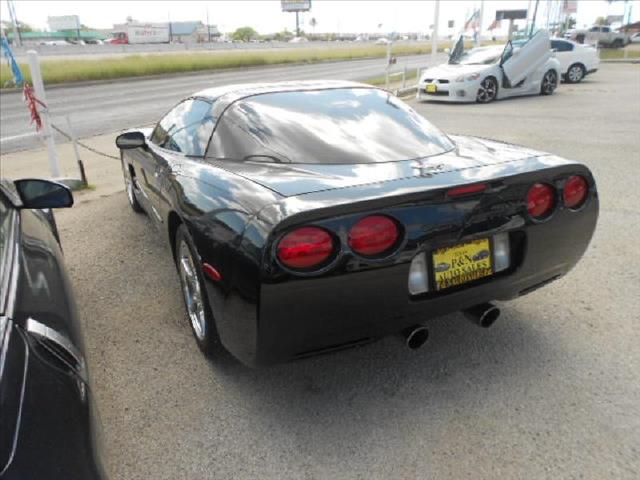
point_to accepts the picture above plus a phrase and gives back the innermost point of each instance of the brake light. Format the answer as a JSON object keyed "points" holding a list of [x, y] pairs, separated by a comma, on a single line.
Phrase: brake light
{"points": [[540, 200], [466, 189], [373, 235], [575, 191], [305, 248]]}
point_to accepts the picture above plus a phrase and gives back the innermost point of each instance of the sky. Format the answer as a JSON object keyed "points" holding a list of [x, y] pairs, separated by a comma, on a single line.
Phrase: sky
{"points": [[331, 16]]}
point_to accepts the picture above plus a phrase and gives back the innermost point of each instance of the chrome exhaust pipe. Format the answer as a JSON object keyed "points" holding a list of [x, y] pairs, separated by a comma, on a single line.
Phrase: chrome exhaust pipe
{"points": [[482, 315], [415, 336]]}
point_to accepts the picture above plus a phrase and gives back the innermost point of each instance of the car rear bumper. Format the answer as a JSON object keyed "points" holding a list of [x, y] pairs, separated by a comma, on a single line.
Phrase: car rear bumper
{"points": [[309, 316]]}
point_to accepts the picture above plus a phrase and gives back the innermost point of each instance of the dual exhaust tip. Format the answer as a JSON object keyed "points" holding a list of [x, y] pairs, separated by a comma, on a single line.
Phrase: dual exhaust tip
{"points": [[484, 315]]}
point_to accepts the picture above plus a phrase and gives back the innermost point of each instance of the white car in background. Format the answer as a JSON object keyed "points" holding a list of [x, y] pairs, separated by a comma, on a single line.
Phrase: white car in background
{"points": [[485, 74], [576, 60]]}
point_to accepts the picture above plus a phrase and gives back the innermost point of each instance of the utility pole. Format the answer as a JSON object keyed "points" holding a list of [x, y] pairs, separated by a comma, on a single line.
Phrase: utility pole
{"points": [[297, 23], [480, 18], [533, 21], [434, 36], [208, 27], [14, 19]]}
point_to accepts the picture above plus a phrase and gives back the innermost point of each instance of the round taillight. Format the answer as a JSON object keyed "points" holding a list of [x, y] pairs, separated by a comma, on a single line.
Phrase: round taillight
{"points": [[540, 200], [373, 235], [575, 191], [305, 248]]}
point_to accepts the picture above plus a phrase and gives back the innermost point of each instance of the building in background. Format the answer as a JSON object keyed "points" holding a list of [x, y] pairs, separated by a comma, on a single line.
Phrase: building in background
{"points": [[134, 32]]}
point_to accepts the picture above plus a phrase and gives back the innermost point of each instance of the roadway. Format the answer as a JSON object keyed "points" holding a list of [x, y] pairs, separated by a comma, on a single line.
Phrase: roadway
{"points": [[108, 107]]}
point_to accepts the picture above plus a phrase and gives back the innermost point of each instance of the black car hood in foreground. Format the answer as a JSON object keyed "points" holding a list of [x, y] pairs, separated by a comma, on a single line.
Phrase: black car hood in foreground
{"points": [[297, 179]]}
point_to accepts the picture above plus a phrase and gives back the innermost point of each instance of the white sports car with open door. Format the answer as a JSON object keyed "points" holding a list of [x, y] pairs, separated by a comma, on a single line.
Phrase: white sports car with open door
{"points": [[485, 74]]}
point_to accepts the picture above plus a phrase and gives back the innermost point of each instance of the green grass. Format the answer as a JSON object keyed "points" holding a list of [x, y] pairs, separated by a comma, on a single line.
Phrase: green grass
{"points": [[64, 71], [613, 54]]}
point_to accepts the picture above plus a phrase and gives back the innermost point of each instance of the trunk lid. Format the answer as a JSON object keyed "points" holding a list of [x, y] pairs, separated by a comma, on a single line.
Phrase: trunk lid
{"points": [[298, 179]]}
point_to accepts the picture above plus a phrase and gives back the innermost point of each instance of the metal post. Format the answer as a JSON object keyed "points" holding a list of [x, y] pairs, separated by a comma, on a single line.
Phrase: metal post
{"points": [[404, 76], [297, 24], [38, 86], [208, 27], [480, 18], [386, 75], [72, 134], [434, 38]]}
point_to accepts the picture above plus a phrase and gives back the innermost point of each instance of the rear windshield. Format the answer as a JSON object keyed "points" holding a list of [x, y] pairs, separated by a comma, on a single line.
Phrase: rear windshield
{"points": [[347, 125]]}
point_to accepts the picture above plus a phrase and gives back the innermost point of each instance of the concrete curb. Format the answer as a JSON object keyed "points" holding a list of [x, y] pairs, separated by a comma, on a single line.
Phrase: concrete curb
{"points": [[621, 60], [72, 183]]}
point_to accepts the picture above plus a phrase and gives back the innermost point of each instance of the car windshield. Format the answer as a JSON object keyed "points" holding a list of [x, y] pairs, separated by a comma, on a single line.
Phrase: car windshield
{"points": [[480, 56], [339, 126]]}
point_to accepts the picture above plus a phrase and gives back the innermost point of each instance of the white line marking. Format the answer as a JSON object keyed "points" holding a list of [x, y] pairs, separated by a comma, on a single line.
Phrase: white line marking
{"points": [[17, 137]]}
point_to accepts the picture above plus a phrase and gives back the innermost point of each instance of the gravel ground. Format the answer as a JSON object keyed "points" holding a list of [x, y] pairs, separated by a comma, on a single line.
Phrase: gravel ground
{"points": [[550, 391]]}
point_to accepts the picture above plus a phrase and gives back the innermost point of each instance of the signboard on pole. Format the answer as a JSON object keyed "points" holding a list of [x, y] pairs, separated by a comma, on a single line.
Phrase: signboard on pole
{"points": [[570, 6], [296, 5], [65, 22], [511, 14]]}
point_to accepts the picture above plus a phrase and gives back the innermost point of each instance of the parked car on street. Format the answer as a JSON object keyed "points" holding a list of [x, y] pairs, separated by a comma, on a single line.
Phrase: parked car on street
{"points": [[603, 35], [485, 74], [576, 60], [635, 38], [306, 217], [48, 419]]}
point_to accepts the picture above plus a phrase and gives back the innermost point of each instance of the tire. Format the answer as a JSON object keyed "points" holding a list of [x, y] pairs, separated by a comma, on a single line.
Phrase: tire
{"points": [[617, 43], [575, 73], [130, 189], [549, 82], [194, 294], [488, 90]]}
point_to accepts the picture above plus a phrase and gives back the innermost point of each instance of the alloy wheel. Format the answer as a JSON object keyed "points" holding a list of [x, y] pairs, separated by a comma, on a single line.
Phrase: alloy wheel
{"points": [[549, 82], [191, 291], [487, 91], [575, 74]]}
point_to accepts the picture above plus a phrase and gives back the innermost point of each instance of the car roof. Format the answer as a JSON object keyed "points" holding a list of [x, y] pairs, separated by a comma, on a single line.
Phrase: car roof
{"points": [[230, 93], [225, 95]]}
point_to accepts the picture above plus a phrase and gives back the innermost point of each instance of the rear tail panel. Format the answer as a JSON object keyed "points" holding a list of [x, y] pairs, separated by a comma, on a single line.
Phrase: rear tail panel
{"points": [[356, 299]]}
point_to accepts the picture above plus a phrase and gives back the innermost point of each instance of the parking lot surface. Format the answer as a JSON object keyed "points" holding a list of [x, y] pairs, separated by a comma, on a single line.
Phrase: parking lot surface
{"points": [[550, 391]]}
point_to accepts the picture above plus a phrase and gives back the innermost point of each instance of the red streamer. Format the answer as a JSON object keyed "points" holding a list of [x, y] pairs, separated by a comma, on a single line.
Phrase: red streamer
{"points": [[32, 104]]}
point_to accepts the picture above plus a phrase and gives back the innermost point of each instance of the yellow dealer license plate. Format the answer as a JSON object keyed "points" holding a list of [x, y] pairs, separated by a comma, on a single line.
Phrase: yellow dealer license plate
{"points": [[431, 88], [461, 264]]}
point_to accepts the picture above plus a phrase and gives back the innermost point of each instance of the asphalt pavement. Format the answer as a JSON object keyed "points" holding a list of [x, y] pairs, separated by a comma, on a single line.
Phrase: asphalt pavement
{"points": [[550, 391], [107, 107]]}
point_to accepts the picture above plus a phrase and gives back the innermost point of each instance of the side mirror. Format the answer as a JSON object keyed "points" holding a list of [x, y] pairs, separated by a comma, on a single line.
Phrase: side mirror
{"points": [[36, 193], [130, 140], [447, 50]]}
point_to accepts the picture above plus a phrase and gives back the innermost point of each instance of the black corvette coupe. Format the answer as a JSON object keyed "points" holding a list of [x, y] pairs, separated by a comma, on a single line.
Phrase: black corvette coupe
{"points": [[48, 423], [306, 217]]}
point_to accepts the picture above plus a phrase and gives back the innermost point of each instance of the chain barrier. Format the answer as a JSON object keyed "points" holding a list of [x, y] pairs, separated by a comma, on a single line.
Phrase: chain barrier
{"points": [[83, 145]]}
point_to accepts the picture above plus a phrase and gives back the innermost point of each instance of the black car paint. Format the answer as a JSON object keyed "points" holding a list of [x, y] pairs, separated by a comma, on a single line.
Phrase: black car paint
{"points": [[236, 211], [49, 426]]}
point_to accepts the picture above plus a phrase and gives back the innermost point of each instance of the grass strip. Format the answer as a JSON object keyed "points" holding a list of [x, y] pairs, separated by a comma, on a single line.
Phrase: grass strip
{"points": [[616, 54], [77, 70]]}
